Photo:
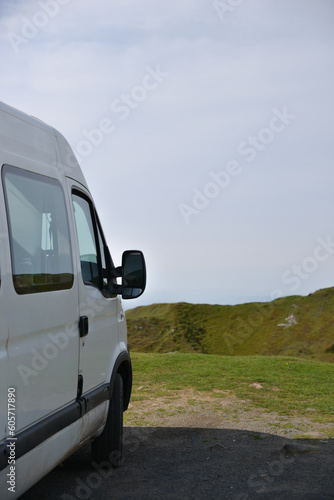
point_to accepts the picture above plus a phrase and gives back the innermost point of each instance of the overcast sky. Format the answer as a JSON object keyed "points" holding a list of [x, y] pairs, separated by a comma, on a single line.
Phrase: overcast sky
{"points": [[204, 129]]}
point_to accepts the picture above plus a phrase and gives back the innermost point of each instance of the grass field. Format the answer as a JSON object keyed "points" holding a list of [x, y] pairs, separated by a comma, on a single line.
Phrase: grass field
{"points": [[290, 326], [289, 386]]}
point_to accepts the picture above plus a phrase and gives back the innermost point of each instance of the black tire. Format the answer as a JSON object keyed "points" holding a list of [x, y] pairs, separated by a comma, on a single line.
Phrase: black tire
{"points": [[108, 446]]}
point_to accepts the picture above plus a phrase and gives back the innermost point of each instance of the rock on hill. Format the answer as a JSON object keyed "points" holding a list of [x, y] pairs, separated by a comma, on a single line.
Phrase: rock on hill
{"points": [[294, 326]]}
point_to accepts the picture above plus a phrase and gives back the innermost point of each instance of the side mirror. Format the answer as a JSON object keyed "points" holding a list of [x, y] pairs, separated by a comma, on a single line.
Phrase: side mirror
{"points": [[133, 274]]}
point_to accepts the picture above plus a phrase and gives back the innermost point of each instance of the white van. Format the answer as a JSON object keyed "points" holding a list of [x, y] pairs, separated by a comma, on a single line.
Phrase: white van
{"points": [[65, 368]]}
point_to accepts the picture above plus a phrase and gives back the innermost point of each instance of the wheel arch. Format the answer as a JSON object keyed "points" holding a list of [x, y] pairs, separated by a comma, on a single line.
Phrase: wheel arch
{"points": [[123, 366]]}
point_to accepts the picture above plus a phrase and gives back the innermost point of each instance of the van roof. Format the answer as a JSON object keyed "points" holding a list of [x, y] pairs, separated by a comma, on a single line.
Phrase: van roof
{"points": [[24, 138]]}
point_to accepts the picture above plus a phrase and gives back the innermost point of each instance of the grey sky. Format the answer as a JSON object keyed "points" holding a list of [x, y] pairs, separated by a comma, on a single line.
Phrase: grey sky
{"points": [[204, 129]]}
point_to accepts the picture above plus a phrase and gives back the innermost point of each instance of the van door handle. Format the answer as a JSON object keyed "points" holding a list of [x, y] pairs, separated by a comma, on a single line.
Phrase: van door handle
{"points": [[83, 326]]}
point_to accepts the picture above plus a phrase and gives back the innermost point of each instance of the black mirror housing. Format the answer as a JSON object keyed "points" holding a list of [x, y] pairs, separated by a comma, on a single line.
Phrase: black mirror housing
{"points": [[133, 274]]}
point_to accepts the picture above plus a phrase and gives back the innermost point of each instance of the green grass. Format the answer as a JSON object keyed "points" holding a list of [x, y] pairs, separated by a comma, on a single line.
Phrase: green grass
{"points": [[241, 330], [291, 386]]}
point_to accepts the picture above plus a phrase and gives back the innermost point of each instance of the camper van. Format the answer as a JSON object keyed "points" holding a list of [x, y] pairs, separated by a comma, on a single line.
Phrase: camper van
{"points": [[65, 368]]}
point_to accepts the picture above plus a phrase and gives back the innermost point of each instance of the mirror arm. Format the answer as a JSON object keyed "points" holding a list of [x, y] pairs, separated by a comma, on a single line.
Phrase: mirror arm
{"points": [[116, 272], [114, 288]]}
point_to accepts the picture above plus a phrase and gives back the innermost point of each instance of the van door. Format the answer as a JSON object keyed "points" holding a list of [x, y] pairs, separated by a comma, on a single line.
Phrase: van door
{"points": [[99, 345], [43, 345]]}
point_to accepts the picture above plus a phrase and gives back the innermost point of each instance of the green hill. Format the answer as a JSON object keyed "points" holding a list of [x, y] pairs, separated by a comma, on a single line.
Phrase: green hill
{"points": [[290, 326]]}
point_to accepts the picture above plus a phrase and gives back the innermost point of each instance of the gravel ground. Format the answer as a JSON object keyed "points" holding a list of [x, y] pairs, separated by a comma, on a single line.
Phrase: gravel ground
{"points": [[179, 463], [193, 449]]}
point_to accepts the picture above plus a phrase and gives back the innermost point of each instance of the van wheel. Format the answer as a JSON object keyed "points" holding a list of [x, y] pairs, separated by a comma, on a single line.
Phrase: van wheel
{"points": [[108, 446]]}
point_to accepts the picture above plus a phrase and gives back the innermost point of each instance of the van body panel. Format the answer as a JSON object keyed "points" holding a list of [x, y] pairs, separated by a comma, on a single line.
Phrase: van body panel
{"points": [[25, 137], [99, 349], [38, 346], [69, 165], [28, 138]]}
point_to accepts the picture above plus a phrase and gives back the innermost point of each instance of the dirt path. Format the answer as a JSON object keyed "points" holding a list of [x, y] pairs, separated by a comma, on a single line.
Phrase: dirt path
{"points": [[217, 410]]}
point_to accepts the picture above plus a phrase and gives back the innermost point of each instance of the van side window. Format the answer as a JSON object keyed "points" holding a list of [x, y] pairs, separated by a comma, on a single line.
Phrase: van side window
{"points": [[91, 245], [38, 232]]}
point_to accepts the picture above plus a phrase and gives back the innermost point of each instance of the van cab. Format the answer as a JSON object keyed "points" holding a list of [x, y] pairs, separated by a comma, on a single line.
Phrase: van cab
{"points": [[65, 368]]}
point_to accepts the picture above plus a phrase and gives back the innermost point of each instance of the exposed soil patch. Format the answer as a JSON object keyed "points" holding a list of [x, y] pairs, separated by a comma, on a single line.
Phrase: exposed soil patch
{"points": [[217, 410]]}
